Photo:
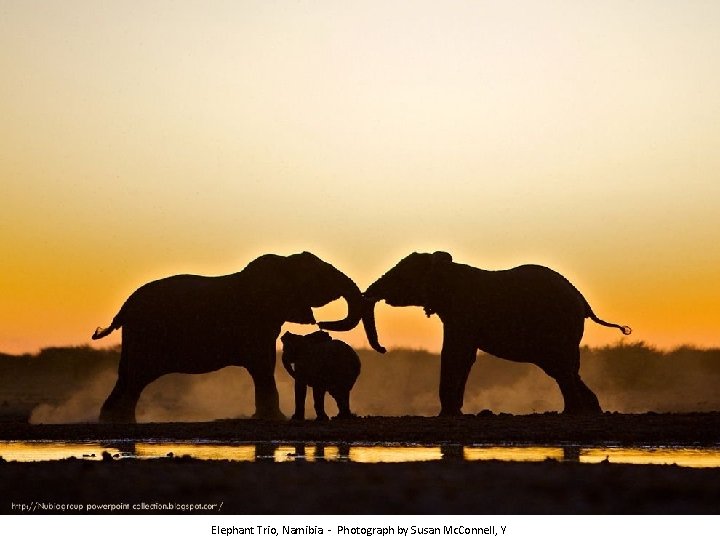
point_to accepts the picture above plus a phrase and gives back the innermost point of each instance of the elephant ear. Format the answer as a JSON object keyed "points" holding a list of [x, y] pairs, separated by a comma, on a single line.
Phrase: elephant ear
{"points": [[436, 293]]}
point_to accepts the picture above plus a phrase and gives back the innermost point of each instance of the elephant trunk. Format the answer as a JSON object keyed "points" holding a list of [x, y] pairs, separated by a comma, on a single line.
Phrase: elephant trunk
{"points": [[371, 297], [369, 325], [358, 309], [348, 323]]}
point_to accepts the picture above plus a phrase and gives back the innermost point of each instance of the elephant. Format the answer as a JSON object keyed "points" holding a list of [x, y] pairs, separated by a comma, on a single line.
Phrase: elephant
{"points": [[197, 324], [323, 363], [525, 314]]}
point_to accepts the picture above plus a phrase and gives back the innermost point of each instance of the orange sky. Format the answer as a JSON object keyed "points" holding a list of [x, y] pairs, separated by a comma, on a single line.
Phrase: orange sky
{"points": [[164, 137]]}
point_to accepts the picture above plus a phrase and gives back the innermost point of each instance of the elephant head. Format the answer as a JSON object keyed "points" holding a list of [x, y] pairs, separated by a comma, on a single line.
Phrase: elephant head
{"points": [[294, 346], [305, 281], [411, 282]]}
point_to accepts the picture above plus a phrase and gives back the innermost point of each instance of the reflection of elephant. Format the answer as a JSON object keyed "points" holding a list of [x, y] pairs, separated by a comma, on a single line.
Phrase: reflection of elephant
{"points": [[197, 324], [525, 314], [326, 365]]}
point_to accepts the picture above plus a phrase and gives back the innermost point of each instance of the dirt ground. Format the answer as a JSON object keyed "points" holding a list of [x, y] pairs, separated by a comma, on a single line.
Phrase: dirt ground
{"points": [[484, 428], [449, 486]]}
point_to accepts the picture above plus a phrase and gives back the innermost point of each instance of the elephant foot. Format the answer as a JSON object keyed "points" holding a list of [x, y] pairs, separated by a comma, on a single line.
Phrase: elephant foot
{"points": [[578, 398], [297, 417], [450, 412], [322, 418], [116, 417], [345, 416], [275, 415], [586, 410], [585, 407]]}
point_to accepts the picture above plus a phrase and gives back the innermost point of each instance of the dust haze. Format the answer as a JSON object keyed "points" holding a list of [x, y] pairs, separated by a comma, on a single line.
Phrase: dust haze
{"points": [[67, 385]]}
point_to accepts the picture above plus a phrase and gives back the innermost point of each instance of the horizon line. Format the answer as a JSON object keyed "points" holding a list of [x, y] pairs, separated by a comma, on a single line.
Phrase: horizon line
{"points": [[618, 344]]}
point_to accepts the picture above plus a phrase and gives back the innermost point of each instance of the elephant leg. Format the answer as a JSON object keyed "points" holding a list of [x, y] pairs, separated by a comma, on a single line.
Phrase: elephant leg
{"points": [[267, 401], [319, 400], [300, 393], [578, 398], [342, 398], [456, 359], [583, 400], [120, 405]]}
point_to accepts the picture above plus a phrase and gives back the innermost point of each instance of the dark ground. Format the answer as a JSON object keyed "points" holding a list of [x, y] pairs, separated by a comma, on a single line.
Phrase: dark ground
{"points": [[356, 488], [547, 428], [439, 487]]}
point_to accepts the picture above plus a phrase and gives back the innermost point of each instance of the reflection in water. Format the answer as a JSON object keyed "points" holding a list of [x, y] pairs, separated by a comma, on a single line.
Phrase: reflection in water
{"points": [[394, 454], [284, 453], [198, 451], [264, 451], [571, 453], [332, 453], [317, 453], [50, 451], [126, 448], [452, 452], [684, 457], [512, 453]]}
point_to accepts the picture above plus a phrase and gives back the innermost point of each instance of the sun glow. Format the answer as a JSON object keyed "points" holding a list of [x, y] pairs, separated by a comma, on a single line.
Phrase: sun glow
{"points": [[145, 141]]}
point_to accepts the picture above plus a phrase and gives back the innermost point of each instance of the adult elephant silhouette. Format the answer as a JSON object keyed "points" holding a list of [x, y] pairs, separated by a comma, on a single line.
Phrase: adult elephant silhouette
{"points": [[197, 324], [525, 314]]}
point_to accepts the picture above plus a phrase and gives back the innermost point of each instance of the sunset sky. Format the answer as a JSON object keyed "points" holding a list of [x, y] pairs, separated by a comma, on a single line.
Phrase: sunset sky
{"points": [[143, 139]]}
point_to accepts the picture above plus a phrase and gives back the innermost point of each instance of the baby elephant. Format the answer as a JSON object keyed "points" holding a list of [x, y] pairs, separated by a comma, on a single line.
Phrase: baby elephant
{"points": [[325, 364]]}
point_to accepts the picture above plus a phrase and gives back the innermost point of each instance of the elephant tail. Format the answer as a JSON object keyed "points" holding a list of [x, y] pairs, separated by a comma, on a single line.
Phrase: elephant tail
{"points": [[626, 330], [101, 332]]}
